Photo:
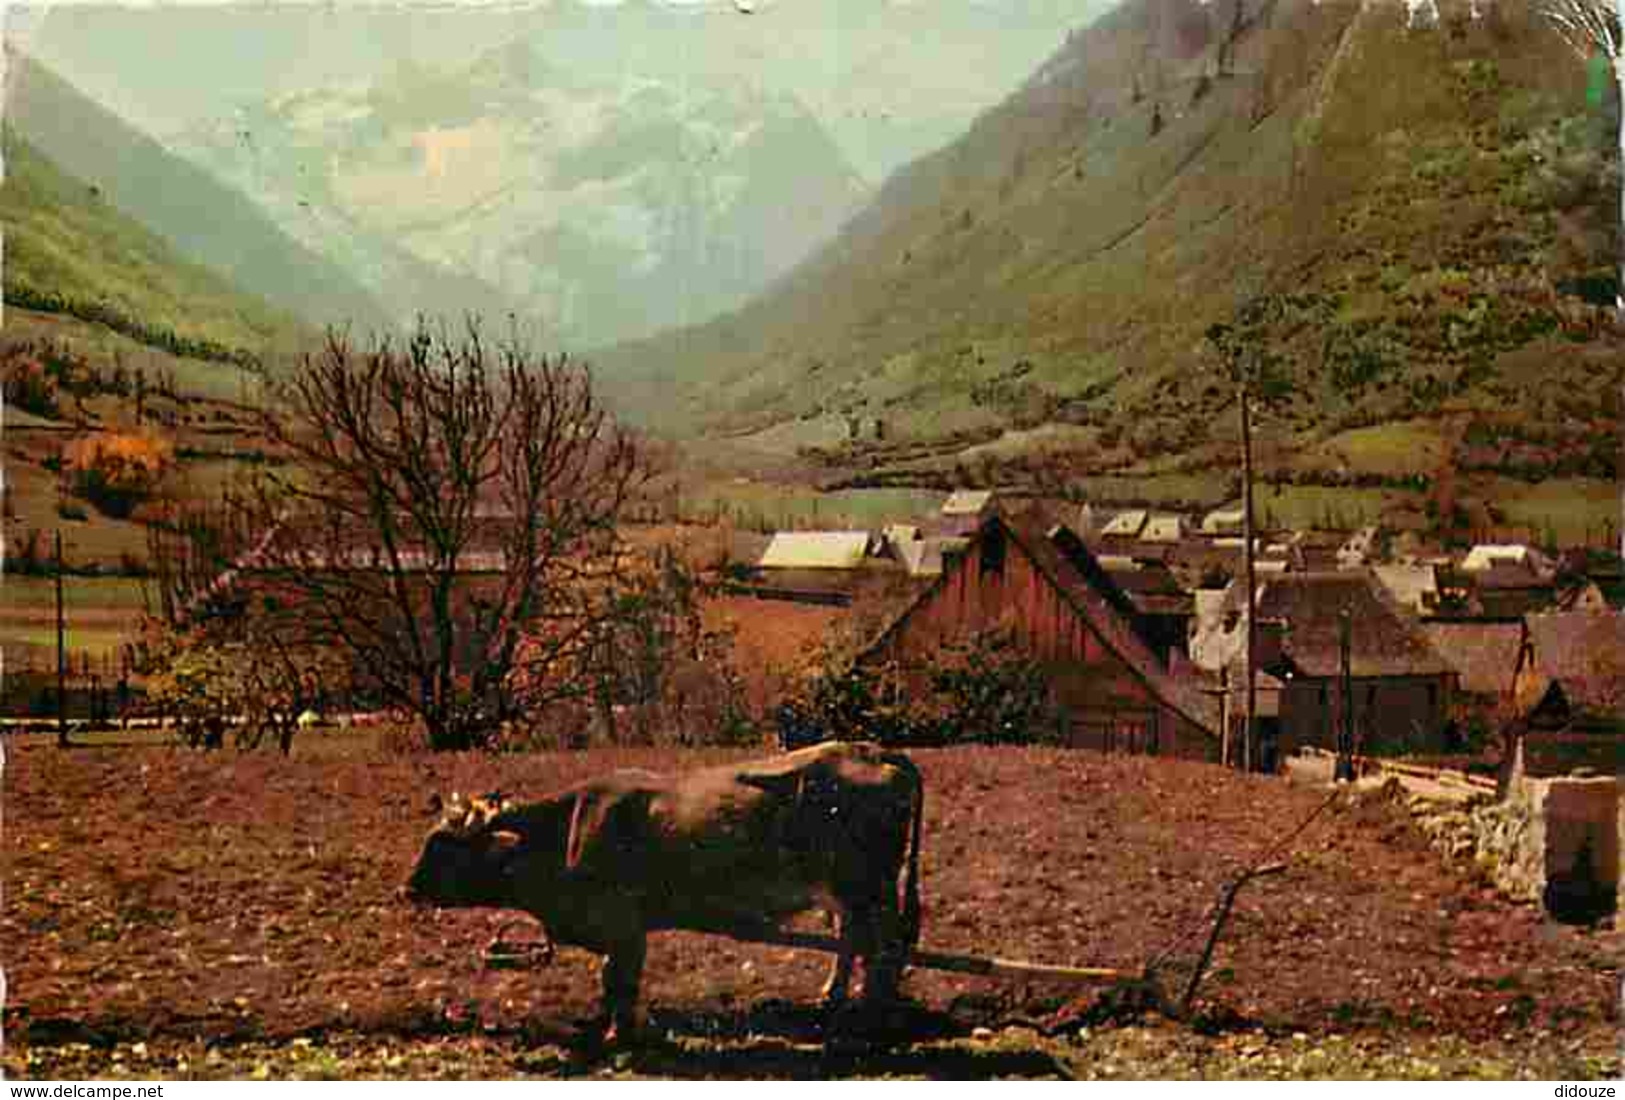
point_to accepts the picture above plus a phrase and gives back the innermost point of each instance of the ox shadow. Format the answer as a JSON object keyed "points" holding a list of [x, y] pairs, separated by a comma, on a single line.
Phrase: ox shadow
{"points": [[779, 1039]]}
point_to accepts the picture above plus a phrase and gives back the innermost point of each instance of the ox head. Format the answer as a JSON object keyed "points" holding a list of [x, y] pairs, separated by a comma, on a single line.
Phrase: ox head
{"points": [[467, 858]]}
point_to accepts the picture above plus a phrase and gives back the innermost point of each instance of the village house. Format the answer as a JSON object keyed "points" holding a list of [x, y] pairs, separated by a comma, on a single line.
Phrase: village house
{"points": [[1570, 692], [1496, 582], [1590, 580], [1401, 688], [1046, 589], [1413, 585], [814, 567], [1485, 654], [1360, 549], [1508, 592]]}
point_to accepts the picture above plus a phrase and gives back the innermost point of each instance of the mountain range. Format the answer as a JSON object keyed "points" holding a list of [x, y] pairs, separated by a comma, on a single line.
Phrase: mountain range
{"points": [[606, 207], [201, 219], [71, 253], [1425, 191]]}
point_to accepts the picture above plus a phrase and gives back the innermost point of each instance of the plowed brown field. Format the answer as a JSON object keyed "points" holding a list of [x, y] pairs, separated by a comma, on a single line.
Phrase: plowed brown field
{"points": [[177, 903]]}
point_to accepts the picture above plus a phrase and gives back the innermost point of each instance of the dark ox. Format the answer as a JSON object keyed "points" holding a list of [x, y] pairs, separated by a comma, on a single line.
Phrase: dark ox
{"points": [[732, 850]]}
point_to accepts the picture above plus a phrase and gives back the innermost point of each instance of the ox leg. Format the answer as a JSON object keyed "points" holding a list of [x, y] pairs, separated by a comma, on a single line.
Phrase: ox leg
{"points": [[839, 985], [622, 974], [882, 950]]}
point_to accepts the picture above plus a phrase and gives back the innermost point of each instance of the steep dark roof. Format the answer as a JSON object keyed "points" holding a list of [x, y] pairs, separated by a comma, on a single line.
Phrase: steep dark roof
{"points": [[1485, 653], [1066, 569], [1383, 640], [1152, 588]]}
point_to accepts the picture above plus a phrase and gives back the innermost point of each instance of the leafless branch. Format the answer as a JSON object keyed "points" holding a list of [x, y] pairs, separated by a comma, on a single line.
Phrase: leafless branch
{"points": [[1588, 26]]}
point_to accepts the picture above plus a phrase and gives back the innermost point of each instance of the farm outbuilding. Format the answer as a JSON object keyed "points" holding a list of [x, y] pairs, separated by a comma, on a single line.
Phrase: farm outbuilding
{"points": [[820, 567], [817, 550], [1058, 605], [1402, 687]]}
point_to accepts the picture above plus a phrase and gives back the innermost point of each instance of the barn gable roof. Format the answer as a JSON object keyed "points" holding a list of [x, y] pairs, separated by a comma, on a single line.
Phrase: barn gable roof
{"points": [[1072, 570]]}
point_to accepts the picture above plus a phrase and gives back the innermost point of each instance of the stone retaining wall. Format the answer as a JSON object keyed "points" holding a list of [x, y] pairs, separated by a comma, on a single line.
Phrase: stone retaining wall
{"points": [[1556, 842]]}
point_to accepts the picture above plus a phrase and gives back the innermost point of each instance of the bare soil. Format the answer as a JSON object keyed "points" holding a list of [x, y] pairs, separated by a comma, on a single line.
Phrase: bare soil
{"points": [[169, 913]]}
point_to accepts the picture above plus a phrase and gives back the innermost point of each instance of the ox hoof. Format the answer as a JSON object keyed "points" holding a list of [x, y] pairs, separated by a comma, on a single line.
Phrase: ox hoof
{"points": [[624, 1034]]}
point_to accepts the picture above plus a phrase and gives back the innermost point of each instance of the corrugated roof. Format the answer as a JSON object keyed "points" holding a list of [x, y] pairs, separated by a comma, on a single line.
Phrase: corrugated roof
{"points": [[816, 550], [1486, 555], [1485, 653]]}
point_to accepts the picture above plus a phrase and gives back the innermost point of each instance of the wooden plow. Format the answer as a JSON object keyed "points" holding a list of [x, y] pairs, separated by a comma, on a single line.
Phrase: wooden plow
{"points": [[1145, 984]]}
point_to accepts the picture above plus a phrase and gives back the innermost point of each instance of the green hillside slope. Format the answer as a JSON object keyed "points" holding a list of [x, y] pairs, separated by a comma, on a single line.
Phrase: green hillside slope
{"points": [[1432, 194], [203, 219], [68, 249]]}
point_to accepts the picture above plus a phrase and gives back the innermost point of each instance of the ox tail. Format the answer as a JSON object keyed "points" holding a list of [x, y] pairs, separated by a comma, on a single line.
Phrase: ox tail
{"points": [[911, 880]]}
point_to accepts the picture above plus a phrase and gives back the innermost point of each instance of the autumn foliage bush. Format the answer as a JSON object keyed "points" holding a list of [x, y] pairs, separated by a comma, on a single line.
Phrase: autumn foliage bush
{"points": [[982, 689], [116, 472]]}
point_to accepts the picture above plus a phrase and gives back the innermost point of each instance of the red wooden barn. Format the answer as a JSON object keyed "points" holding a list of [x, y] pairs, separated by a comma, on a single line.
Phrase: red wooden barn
{"points": [[1061, 607]]}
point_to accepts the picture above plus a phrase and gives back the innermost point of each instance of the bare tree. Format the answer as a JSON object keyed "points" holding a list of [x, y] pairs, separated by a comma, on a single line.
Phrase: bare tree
{"points": [[1591, 27], [413, 461]]}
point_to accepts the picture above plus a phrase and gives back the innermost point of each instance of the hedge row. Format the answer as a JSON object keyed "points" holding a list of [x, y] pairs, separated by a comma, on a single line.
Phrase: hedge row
{"points": [[189, 347]]}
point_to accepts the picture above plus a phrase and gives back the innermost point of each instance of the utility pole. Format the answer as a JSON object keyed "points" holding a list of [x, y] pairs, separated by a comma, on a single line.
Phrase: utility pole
{"points": [[1345, 691], [61, 654], [1251, 661]]}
